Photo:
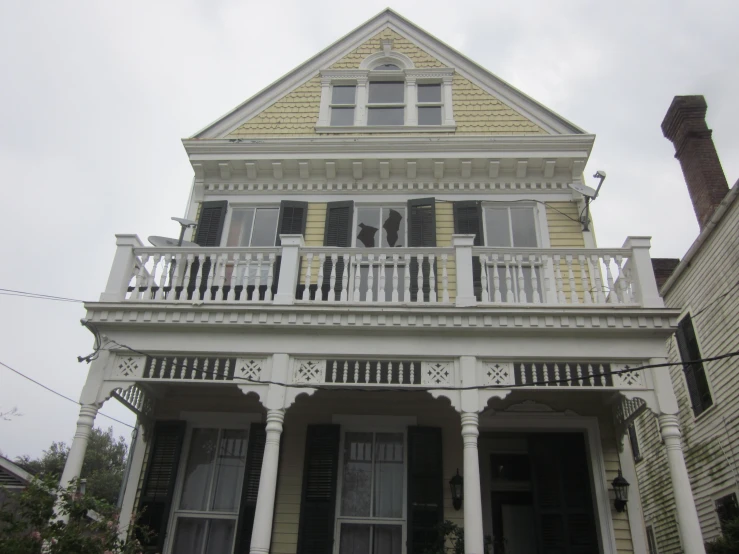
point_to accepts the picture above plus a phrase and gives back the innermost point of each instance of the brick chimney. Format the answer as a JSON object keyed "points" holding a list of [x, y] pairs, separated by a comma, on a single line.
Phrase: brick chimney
{"points": [[685, 126]]}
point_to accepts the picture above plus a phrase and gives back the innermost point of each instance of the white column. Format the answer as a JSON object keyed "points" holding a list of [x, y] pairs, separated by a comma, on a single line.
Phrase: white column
{"points": [[288, 278], [687, 515], [463, 256], [473, 534], [136, 454], [262, 531], [411, 101], [360, 110], [323, 111], [122, 269], [448, 101], [640, 262]]}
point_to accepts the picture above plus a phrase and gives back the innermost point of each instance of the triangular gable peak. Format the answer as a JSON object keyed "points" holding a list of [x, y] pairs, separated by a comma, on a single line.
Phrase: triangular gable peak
{"points": [[482, 103]]}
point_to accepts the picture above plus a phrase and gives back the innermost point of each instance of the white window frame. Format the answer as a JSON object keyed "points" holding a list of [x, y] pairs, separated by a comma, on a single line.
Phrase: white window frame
{"points": [[364, 424], [204, 420], [365, 74], [229, 216], [716, 496], [390, 206], [439, 104], [340, 83]]}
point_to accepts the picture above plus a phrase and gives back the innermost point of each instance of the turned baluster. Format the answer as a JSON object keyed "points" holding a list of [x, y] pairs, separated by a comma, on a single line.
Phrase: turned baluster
{"points": [[559, 283], [356, 372], [419, 279], [600, 298], [556, 374], [432, 279], [333, 372], [345, 373], [234, 278], [270, 276], [357, 277], [401, 375], [394, 297], [345, 279], [200, 277], [370, 278], [584, 280], [521, 283], [319, 280], [612, 297], [378, 371], [258, 278], [522, 371], [496, 280], [573, 292], [246, 278], [580, 380], [381, 279], [508, 280], [568, 375], [547, 280], [444, 279], [413, 373], [407, 284], [621, 280], [534, 281], [484, 278], [309, 267], [367, 372], [332, 278], [141, 279]]}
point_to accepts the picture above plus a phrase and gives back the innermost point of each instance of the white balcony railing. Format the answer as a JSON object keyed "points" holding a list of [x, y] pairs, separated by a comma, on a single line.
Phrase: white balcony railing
{"points": [[460, 275]]}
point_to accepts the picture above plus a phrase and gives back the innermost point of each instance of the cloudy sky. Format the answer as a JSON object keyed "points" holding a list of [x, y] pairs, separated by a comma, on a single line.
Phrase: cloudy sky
{"points": [[94, 97]]}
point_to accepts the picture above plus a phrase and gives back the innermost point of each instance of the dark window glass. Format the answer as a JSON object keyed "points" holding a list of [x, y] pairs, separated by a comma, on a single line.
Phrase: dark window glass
{"points": [[343, 94], [386, 92], [385, 116], [651, 542], [727, 509], [387, 67], [634, 443], [429, 93], [342, 116], [429, 116], [510, 467], [695, 373]]}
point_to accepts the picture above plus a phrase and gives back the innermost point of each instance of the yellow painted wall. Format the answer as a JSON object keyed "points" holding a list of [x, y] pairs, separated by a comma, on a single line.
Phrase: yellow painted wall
{"points": [[444, 232], [566, 232], [475, 111]]}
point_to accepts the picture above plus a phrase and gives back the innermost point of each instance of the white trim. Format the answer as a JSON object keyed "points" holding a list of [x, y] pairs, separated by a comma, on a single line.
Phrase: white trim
{"points": [[394, 57], [220, 420], [554, 422], [17, 471], [387, 129], [526, 106], [377, 423], [715, 496]]}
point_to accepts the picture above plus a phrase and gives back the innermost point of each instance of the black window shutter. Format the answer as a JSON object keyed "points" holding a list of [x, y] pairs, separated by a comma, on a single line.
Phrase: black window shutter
{"points": [[468, 221], [250, 491], [421, 233], [210, 224], [292, 221], [337, 232], [425, 488], [563, 504], [634, 441], [317, 507], [159, 482], [695, 374]]}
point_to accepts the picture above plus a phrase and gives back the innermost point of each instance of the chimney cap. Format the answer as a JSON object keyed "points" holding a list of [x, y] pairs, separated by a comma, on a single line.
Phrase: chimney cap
{"points": [[681, 111]]}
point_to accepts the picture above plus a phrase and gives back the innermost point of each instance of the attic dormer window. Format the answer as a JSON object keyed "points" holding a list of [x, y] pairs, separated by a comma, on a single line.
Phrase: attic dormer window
{"points": [[386, 94]]}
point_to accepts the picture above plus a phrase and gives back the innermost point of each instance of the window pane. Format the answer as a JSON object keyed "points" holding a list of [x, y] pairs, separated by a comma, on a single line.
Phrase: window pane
{"points": [[265, 227], [189, 536], [240, 229], [385, 116], [387, 539], [386, 92], [343, 94], [393, 225], [220, 536], [342, 116], [368, 225], [524, 228], [429, 116], [354, 539], [496, 226], [388, 476], [199, 469], [357, 474], [229, 471], [429, 93]]}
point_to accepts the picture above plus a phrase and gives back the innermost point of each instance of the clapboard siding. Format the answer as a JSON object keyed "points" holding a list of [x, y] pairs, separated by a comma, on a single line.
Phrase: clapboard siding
{"points": [[444, 232], [711, 441], [621, 527]]}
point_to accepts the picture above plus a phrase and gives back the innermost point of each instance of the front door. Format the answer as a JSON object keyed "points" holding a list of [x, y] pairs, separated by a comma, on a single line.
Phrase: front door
{"points": [[541, 501]]}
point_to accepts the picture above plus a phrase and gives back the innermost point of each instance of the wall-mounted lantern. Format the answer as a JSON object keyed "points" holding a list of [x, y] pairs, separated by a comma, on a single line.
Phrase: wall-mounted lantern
{"points": [[456, 483], [621, 489]]}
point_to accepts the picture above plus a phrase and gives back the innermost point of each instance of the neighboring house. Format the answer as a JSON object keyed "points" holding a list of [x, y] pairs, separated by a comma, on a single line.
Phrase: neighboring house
{"points": [[704, 287], [12, 479], [392, 287]]}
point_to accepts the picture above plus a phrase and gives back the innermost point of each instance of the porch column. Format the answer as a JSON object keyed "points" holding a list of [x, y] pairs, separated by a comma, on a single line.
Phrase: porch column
{"points": [[262, 531], [687, 515], [73, 467], [473, 533]]}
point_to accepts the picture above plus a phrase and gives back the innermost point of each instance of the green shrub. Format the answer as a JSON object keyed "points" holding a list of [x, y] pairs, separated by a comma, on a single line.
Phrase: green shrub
{"points": [[729, 542]]}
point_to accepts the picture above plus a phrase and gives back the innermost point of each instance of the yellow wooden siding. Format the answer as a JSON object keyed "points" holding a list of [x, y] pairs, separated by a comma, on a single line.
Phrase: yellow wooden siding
{"points": [[621, 527], [566, 232], [314, 232], [476, 112], [444, 232]]}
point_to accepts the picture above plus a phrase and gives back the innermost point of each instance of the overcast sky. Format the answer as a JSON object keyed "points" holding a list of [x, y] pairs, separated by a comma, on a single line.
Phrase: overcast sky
{"points": [[95, 96]]}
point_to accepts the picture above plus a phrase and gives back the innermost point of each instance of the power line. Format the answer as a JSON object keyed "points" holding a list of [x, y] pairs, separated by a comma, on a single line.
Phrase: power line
{"points": [[725, 294], [60, 394], [11, 292], [627, 369]]}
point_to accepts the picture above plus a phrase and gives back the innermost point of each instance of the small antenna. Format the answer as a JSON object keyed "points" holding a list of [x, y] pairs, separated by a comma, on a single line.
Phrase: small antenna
{"points": [[590, 194]]}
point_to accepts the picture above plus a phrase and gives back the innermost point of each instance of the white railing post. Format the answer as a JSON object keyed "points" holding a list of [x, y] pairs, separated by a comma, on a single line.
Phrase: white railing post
{"points": [[122, 269], [644, 282], [465, 280], [289, 267]]}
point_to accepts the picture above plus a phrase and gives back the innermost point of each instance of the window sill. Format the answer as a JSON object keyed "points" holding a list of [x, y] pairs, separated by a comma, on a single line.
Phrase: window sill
{"points": [[701, 416], [387, 129]]}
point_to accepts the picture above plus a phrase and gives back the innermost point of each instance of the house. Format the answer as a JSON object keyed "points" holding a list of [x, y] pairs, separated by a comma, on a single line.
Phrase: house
{"points": [[391, 317], [704, 287], [13, 479]]}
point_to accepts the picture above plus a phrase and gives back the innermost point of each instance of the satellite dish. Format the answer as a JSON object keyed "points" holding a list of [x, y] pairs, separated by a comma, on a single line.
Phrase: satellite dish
{"points": [[166, 242], [184, 222], [583, 189]]}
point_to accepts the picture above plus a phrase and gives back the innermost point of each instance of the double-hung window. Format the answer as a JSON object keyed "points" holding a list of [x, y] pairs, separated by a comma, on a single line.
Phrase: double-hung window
{"points": [[207, 507], [343, 104], [371, 503], [253, 227], [381, 227], [694, 371], [513, 226], [429, 103], [386, 103]]}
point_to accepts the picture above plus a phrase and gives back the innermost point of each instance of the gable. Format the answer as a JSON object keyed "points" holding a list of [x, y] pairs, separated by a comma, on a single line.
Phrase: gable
{"points": [[483, 103], [476, 111]]}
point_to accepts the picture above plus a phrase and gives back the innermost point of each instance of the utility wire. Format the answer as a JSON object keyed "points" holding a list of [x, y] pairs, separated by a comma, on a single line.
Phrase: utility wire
{"points": [[11, 292], [60, 394], [627, 369], [725, 294]]}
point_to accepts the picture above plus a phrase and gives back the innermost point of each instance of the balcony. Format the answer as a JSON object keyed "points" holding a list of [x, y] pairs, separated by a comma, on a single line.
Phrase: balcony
{"points": [[461, 275]]}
